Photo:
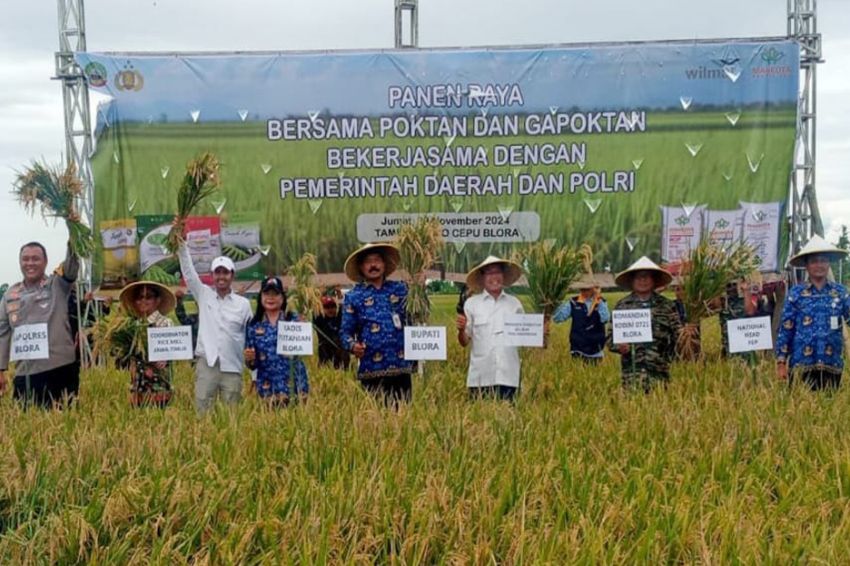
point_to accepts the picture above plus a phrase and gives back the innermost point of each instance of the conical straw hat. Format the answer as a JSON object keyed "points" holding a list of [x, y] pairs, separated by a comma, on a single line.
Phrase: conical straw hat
{"points": [[817, 246], [388, 251], [167, 301], [512, 272], [662, 276]]}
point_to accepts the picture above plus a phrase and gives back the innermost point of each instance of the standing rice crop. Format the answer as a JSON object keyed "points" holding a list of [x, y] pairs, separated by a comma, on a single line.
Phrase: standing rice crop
{"points": [[55, 192], [199, 182], [705, 273], [419, 244]]}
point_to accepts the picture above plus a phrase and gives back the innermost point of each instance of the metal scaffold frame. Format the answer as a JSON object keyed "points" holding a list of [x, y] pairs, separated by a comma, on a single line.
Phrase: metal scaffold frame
{"points": [[409, 9], [78, 138], [805, 215], [805, 219]]}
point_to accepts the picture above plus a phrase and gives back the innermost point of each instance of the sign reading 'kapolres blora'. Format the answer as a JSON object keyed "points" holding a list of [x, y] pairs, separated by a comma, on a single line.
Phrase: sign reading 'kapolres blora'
{"points": [[29, 342]]}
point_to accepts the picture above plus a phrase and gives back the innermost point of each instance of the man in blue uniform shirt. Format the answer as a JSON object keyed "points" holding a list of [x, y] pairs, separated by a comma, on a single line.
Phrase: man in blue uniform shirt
{"points": [[373, 319], [809, 344]]}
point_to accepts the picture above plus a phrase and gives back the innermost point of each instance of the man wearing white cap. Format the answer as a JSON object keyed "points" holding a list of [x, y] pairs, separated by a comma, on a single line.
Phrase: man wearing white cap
{"points": [[810, 338], [222, 318], [643, 365], [493, 368]]}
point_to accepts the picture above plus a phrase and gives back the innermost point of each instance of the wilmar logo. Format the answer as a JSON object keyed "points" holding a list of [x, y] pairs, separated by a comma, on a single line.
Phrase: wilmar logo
{"points": [[129, 78], [724, 64], [770, 64]]}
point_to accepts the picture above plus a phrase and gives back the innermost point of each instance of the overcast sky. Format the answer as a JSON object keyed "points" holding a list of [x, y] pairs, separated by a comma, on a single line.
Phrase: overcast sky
{"points": [[31, 116]]}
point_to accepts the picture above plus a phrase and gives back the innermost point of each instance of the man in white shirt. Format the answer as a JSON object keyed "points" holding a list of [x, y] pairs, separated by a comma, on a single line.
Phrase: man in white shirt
{"points": [[493, 368], [222, 318]]}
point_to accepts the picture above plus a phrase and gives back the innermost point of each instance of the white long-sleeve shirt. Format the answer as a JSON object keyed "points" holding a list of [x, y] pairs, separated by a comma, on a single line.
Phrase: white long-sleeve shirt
{"points": [[491, 363], [221, 320]]}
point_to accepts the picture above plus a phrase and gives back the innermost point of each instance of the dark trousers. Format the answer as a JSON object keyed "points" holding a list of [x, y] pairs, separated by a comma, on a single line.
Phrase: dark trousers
{"points": [[333, 355], [818, 379], [500, 392], [49, 388], [586, 359], [392, 390]]}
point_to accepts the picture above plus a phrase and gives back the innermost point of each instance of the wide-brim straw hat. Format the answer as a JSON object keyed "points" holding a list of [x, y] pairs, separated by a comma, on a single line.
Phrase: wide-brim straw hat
{"points": [[662, 276], [817, 246], [586, 281], [167, 301], [389, 252], [512, 272]]}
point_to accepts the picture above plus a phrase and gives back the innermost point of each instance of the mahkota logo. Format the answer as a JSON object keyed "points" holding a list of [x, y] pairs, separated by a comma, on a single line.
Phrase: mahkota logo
{"points": [[96, 74], [771, 65], [129, 78]]}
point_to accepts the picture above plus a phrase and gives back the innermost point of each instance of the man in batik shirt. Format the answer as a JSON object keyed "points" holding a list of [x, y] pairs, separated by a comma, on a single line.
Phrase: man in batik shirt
{"points": [[810, 330], [373, 320]]}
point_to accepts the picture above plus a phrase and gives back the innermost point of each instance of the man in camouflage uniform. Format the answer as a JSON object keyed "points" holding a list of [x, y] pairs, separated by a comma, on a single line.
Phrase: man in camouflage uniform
{"points": [[644, 365]]}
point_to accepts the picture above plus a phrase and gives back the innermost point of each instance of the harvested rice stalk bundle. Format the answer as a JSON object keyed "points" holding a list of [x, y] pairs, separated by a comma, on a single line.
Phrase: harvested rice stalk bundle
{"points": [[121, 337], [304, 297], [55, 193], [705, 273], [418, 244], [200, 181], [550, 271]]}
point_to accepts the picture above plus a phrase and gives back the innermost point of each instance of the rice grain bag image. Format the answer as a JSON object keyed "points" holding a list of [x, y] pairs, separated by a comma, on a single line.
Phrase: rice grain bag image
{"points": [[120, 254]]}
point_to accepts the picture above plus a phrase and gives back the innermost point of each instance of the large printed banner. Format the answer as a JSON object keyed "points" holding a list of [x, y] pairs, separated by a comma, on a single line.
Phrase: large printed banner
{"points": [[324, 150]]}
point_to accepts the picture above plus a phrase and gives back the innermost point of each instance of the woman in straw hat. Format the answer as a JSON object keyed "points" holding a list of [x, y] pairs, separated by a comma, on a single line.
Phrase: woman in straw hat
{"points": [[810, 343], [493, 368], [150, 383], [589, 311], [645, 364], [373, 319]]}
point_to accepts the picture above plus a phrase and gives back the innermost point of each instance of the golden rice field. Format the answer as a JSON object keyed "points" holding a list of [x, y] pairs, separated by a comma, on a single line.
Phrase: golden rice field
{"points": [[725, 466]]}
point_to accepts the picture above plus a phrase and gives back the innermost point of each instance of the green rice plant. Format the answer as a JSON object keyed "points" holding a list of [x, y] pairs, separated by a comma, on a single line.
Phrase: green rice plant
{"points": [[304, 297], [56, 192], [199, 182], [419, 244]]}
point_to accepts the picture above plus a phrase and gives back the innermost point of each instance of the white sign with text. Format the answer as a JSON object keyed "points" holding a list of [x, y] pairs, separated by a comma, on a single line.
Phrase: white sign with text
{"points": [[294, 338], [170, 343], [749, 334], [29, 342], [631, 326], [425, 343], [523, 330]]}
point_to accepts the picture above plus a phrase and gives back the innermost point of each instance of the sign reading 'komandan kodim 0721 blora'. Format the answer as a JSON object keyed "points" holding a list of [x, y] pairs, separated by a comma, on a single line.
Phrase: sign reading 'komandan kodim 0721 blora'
{"points": [[600, 144]]}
